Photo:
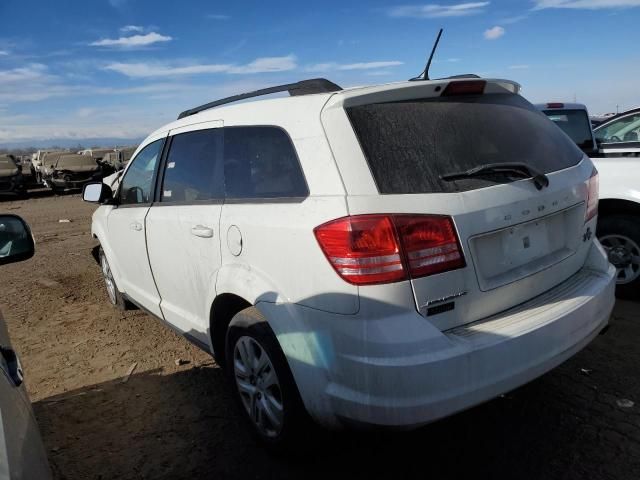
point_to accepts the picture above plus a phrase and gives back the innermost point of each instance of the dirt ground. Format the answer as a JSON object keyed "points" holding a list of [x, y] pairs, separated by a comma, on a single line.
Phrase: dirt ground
{"points": [[170, 421]]}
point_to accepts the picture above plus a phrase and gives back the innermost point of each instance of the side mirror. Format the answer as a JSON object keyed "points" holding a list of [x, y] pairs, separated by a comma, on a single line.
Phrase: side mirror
{"points": [[97, 193], [16, 241]]}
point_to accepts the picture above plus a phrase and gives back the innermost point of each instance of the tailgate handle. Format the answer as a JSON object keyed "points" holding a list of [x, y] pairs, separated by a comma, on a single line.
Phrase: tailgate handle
{"points": [[202, 231]]}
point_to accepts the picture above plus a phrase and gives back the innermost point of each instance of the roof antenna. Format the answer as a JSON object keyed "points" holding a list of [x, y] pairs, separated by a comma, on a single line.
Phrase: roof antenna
{"points": [[425, 73]]}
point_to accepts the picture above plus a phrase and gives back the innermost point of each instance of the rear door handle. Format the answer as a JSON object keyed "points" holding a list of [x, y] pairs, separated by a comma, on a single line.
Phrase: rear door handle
{"points": [[135, 226], [202, 231]]}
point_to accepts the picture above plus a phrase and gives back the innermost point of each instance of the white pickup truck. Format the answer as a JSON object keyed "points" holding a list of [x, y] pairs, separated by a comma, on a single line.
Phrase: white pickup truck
{"points": [[614, 149]]}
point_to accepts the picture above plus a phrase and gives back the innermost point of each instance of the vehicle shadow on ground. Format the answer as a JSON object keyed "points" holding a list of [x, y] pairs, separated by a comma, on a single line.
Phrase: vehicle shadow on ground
{"points": [[184, 425]]}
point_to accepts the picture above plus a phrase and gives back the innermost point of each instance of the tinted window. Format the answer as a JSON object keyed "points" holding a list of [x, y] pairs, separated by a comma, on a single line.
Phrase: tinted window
{"points": [[194, 167], [137, 184], [574, 123], [410, 144], [260, 162]]}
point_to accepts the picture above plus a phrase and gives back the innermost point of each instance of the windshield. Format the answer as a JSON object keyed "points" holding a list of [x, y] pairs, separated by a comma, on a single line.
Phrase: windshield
{"points": [[574, 123], [410, 144]]}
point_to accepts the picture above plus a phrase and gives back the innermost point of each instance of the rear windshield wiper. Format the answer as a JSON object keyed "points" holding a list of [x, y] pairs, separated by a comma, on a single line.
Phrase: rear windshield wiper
{"points": [[522, 169]]}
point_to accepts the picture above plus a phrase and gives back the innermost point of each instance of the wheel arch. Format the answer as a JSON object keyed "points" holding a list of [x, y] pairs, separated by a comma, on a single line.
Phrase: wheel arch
{"points": [[615, 206], [223, 309]]}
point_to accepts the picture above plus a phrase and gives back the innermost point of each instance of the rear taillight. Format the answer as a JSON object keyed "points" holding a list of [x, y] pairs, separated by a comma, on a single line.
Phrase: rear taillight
{"points": [[592, 196], [429, 243], [373, 249], [362, 249]]}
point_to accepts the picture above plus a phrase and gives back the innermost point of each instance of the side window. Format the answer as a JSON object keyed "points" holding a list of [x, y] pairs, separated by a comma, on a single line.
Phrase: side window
{"points": [[137, 184], [193, 170], [261, 162], [625, 129]]}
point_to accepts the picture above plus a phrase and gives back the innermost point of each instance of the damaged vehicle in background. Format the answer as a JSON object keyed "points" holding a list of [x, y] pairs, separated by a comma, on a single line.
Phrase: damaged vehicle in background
{"points": [[72, 171], [10, 175], [119, 158]]}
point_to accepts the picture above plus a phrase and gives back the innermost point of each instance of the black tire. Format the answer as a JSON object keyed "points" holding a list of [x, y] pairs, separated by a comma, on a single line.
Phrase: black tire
{"points": [[624, 254], [116, 299], [251, 324]]}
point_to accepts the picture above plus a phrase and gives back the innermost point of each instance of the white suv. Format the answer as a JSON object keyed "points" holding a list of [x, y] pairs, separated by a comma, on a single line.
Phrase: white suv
{"points": [[384, 255]]}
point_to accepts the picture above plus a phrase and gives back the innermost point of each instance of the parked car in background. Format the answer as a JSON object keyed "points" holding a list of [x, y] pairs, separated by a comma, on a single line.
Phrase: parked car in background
{"points": [[381, 256], [97, 154], [37, 162], [620, 135], [118, 158], [22, 453], [71, 171], [28, 171], [619, 205], [48, 160], [573, 119], [10, 174]]}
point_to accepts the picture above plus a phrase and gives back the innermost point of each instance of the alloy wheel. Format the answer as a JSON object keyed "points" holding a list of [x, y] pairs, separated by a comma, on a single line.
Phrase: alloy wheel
{"points": [[624, 254], [108, 279], [258, 386]]}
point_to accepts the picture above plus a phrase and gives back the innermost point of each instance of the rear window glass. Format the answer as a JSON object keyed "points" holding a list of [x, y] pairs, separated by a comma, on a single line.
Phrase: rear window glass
{"points": [[409, 144], [574, 123]]}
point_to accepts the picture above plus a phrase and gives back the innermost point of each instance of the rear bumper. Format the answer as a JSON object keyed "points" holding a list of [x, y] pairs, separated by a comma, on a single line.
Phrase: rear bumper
{"points": [[486, 359], [410, 381]]}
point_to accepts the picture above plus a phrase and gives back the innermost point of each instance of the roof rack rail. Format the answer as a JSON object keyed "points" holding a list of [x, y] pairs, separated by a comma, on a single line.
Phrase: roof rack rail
{"points": [[304, 87]]}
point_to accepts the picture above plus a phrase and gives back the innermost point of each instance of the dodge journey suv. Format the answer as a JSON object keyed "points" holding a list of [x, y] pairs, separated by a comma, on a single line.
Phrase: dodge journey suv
{"points": [[375, 256]]}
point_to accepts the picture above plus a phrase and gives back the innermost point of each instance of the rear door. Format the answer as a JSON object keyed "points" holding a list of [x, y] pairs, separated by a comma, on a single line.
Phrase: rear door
{"points": [[127, 246], [183, 227], [517, 241]]}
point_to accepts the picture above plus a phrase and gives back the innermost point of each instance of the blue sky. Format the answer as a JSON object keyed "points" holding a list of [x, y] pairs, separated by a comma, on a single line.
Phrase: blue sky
{"points": [[121, 68]]}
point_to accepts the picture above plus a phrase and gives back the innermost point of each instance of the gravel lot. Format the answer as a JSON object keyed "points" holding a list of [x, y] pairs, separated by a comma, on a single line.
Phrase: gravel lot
{"points": [[170, 421]]}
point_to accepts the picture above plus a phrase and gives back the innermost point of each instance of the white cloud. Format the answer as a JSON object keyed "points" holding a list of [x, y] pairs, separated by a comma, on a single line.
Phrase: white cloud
{"points": [[217, 16], [132, 28], [378, 73], [3, 52], [494, 33], [267, 64], [512, 20], [438, 11], [518, 67], [141, 70], [585, 4], [325, 67], [133, 41], [157, 69], [131, 112], [33, 71], [453, 60]]}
